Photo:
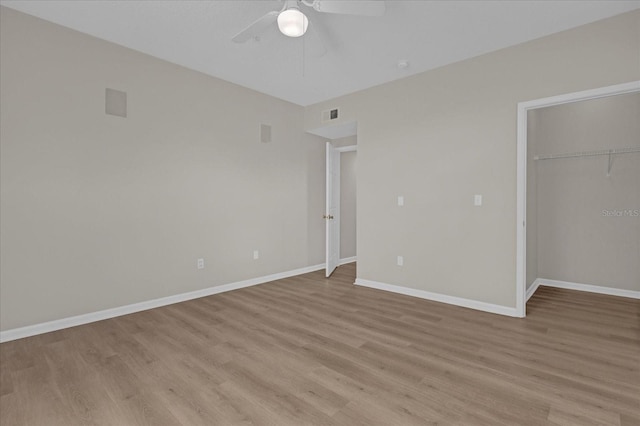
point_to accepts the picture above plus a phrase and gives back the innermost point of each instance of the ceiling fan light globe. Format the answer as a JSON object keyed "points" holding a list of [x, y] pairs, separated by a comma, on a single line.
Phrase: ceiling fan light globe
{"points": [[292, 22]]}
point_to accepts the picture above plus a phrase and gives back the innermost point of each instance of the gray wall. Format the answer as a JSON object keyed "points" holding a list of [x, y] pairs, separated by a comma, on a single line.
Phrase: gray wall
{"points": [[348, 204], [346, 141], [577, 241], [347, 197], [101, 211], [442, 136]]}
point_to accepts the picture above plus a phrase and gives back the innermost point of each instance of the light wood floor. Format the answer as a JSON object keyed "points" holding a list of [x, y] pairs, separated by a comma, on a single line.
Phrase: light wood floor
{"points": [[307, 350]]}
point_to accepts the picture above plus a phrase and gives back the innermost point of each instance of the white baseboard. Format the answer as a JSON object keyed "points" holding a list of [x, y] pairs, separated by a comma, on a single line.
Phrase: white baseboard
{"points": [[587, 287], [533, 288], [347, 260], [451, 300], [46, 327]]}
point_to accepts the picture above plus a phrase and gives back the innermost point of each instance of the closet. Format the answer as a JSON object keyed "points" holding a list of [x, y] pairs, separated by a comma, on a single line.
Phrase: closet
{"points": [[583, 195]]}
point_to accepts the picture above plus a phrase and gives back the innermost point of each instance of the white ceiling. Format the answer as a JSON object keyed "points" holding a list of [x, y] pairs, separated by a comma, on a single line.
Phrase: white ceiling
{"points": [[361, 51]]}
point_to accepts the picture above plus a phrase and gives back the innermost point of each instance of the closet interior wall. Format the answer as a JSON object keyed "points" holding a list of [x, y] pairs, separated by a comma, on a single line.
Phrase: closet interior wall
{"points": [[348, 203], [583, 222]]}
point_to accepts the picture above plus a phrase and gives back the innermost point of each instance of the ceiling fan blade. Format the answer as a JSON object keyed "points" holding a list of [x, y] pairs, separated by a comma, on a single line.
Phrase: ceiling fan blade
{"points": [[316, 45], [351, 7], [257, 27]]}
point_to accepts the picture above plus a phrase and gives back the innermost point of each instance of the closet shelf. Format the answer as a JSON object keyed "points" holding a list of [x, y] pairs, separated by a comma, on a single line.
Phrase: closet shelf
{"points": [[588, 153]]}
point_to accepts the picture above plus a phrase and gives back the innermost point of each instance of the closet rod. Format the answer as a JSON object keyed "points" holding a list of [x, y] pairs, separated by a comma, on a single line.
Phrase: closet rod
{"points": [[588, 153]]}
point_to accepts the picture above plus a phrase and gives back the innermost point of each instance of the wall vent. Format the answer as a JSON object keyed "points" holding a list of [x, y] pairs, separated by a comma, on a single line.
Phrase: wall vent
{"points": [[115, 102], [265, 133], [330, 115]]}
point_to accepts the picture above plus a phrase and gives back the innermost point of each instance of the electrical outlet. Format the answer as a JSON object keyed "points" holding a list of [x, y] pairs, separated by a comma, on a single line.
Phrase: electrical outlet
{"points": [[200, 263], [400, 201], [256, 255], [400, 261], [477, 200]]}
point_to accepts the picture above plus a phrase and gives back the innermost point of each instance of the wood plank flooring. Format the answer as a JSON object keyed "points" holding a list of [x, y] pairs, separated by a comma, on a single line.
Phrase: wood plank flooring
{"points": [[313, 351]]}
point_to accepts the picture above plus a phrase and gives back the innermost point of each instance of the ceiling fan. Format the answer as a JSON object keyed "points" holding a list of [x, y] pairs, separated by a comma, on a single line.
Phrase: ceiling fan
{"points": [[292, 22]]}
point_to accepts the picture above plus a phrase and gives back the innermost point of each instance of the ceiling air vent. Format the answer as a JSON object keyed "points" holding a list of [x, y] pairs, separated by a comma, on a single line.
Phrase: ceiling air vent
{"points": [[329, 115]]}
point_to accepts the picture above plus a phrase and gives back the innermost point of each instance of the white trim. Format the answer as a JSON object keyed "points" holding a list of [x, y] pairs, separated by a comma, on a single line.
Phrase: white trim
{"points": [[521, 212], [600, 92], [347, 260], [336, 131], [521, 178], [46, 327], [533, 288], [443, 298], [350, 148], [590, 288]]}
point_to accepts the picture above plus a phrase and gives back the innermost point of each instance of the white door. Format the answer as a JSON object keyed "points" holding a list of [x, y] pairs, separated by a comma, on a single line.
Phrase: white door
{"points": [[332, 211]]}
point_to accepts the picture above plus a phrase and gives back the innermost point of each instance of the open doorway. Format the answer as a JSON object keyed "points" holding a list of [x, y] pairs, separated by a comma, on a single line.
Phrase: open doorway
{"points": [[575, 176], [340, 216], [348, 204], [340, 212]]}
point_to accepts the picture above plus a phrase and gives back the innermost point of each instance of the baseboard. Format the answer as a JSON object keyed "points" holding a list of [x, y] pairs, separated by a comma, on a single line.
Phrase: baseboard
{"points": [[347, 260], [46, 327], [589, 288], [533, 288], [436, 297]]}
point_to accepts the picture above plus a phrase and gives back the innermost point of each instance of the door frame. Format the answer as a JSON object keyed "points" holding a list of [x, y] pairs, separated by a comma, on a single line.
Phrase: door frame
{"points": [[340, 150], [521, 170], [349, 148]]}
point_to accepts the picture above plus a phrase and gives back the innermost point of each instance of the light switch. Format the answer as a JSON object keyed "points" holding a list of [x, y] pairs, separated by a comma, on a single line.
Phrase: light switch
{"points": [[400, 260], [115, 103], [477, 200], [400, 200], [200, 263], [256, 255]]}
